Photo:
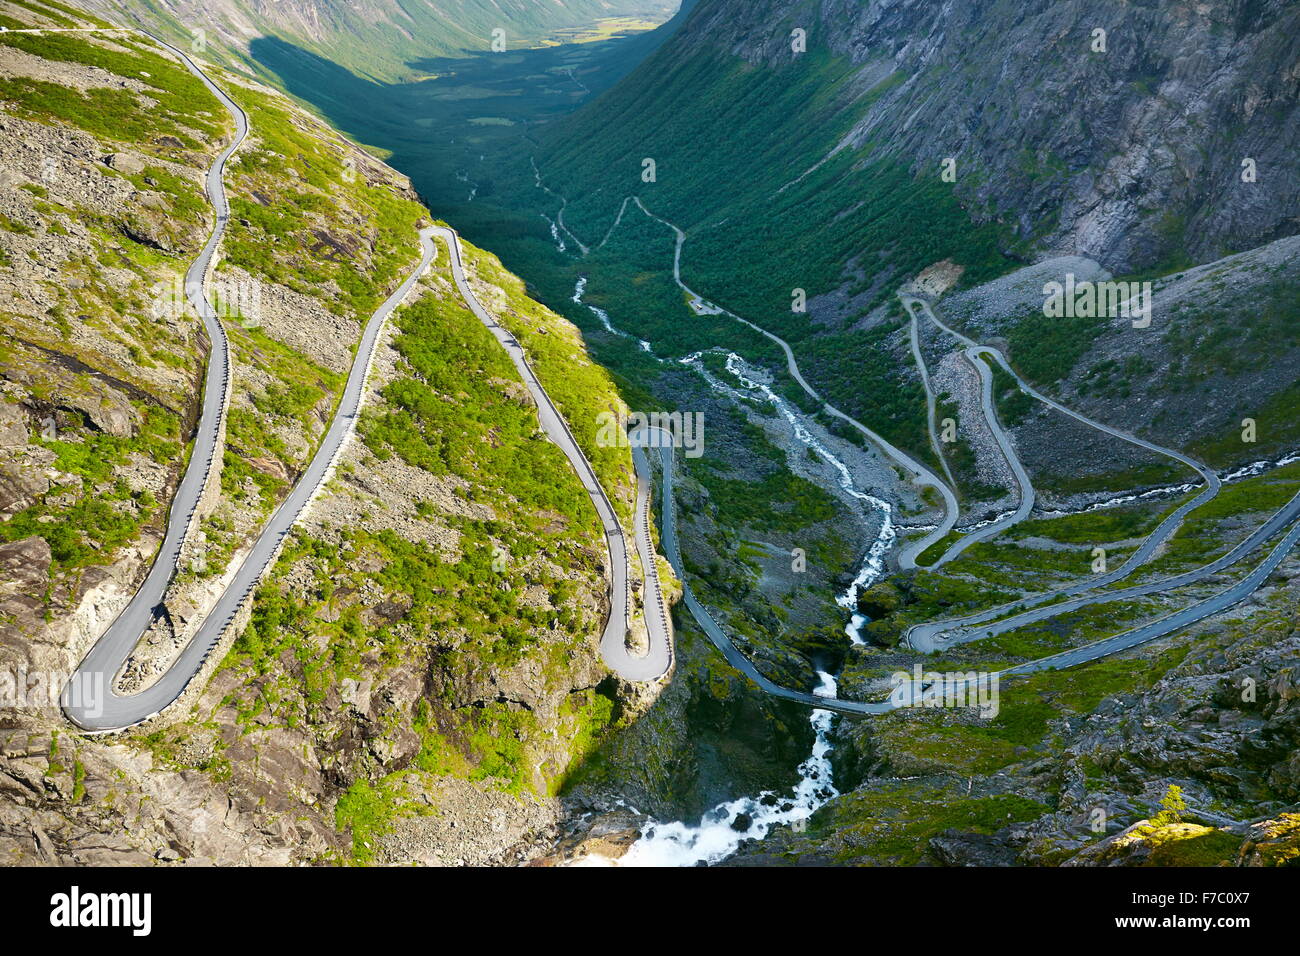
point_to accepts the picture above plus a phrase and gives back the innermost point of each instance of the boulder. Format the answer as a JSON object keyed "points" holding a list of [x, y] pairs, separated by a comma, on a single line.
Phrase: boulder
{"points": [[1273, 842], [129, 164], [272, 467], [13, 426], [958, 848], [20, 487]]}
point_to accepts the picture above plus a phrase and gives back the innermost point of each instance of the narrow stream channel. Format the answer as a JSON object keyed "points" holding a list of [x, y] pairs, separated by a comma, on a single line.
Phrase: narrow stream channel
{"points": [[722, 829], [601, 315], [873, 564]]}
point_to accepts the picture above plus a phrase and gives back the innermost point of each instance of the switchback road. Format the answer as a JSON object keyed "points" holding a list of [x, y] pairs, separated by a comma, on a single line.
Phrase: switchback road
{"points": [[613, 643], [111, 711], [115, 645], [925, 637], [911, 694]]}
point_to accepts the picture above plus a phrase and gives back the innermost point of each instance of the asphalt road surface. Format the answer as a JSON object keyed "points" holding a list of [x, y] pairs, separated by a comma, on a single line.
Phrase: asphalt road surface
{"points": [[1257, 538], [613, 643], [719, 638], [105, 660], [1182, 618], [914, 339], [116, 644], [1024, 485], [926, 637], [911, 693], [111, 711]]}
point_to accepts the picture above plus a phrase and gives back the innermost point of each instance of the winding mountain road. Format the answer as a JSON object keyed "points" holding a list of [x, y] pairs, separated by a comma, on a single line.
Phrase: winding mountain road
{"points": [[1025, 487], [926, 637], [103, 663], [911, 694], [1184, 617], [931, 403], [110, 711], [1288, 514], [717, 636], [613, 643], [116, 644], [922, 476]]}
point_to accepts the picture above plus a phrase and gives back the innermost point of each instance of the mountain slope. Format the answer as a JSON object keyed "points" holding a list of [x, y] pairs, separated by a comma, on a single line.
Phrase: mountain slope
{"points": [[1130, 156], [824, 171], [419, 676], [376, 39], [426, 86]]}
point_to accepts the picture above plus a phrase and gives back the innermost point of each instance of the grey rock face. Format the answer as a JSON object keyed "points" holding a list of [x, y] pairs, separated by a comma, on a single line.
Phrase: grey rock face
{"points": [[1125, 156]]}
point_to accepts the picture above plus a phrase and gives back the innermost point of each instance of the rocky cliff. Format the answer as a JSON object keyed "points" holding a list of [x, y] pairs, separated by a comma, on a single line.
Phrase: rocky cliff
{"points": [[1112, 130]]}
